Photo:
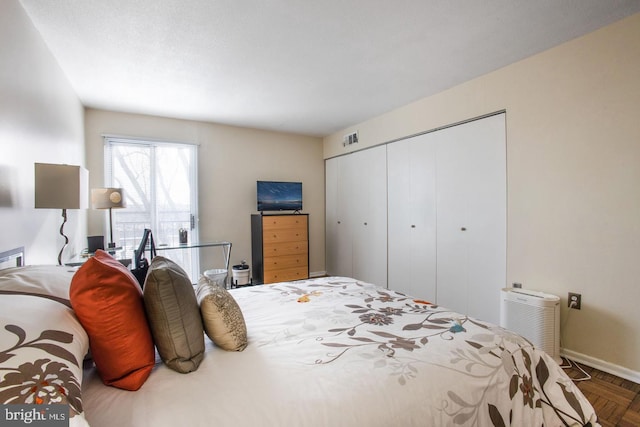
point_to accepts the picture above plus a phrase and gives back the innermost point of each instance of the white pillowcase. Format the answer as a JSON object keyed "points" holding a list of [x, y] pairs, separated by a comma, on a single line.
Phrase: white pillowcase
{"points": [[49, 281]]}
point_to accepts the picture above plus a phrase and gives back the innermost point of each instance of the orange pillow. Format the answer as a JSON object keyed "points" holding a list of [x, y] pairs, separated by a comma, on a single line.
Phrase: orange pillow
{"points": [[108, 302]]}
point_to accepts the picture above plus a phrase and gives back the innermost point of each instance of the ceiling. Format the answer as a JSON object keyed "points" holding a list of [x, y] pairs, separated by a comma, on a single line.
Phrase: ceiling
{"points": [[309, 67]]}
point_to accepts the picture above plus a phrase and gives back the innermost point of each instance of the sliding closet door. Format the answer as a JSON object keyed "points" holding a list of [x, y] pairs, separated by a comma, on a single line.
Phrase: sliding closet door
{"points": [[356, 215], [338, 194], [412, 216], [471, 217], [369, 214], [331, 215], [445, 234]]}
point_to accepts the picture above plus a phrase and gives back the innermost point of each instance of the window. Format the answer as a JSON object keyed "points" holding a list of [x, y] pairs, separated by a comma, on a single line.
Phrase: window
{"points": [[160, 189]]}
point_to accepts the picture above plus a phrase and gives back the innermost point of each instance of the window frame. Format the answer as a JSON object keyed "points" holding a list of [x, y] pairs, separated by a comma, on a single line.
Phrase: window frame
{"points": [[111, 140]]}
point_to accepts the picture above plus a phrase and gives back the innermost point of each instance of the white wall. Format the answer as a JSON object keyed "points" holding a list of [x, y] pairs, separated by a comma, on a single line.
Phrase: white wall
{"points": [[573, 169], [41, 120], [231, 160]]}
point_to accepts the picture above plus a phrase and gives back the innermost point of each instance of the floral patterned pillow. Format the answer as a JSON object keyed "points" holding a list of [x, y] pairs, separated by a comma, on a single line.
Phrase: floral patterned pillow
{"points": [[42, 346]]}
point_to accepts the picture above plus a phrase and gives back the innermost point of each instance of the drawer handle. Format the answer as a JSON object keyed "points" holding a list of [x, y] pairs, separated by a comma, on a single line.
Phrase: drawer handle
{"points": [[463, 229], [413, 226], [365, 223]]}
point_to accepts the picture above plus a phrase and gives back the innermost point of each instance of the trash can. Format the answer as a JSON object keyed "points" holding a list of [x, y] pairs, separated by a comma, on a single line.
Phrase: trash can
{"points": [[217, 276], [241, 274]]}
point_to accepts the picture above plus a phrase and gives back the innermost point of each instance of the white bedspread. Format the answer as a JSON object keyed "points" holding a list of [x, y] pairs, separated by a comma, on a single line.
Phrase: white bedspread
{"points": [[337, 352]]}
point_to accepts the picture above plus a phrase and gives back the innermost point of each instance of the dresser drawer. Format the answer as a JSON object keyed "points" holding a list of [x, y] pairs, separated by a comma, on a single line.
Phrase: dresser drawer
{"points": [[286, 261], [276, 222], [285, 248], [285, 235], [286, 274]]}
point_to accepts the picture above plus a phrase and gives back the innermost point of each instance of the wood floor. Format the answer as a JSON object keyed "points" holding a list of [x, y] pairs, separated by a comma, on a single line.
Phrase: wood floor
{"points": [[616, 400]]}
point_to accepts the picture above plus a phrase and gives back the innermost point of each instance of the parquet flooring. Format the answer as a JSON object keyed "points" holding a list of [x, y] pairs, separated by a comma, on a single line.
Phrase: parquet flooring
{"points": [[615, 400]]}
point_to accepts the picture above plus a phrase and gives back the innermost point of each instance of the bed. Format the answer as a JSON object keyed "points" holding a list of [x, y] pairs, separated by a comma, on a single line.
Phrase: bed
{"points": [[330, 351]]}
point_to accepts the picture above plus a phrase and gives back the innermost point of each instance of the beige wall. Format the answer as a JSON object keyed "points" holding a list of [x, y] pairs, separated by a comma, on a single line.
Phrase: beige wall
{"points": [[41, 120], [230, 161], [573, 169]]}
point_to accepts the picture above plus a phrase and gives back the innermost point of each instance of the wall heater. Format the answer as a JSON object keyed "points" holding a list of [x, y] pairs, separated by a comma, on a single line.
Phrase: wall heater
{"points": [[534, 315]]}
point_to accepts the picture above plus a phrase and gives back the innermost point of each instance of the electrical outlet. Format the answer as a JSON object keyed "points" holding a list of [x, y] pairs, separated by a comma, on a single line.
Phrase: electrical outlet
{"points": [[575, 300]]}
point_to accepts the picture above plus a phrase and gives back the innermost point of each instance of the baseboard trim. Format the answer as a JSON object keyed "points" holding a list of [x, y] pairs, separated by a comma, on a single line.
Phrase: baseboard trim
{"points": [[317, 274], [618, 371]]}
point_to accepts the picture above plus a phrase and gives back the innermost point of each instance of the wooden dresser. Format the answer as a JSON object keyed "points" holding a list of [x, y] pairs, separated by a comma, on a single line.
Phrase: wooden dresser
{"points": [[279, 247]]}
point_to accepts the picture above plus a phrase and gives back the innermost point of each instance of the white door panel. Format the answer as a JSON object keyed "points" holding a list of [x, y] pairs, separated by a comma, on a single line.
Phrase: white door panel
{"points": [[412, 240], [471, 204], [370, 220]]}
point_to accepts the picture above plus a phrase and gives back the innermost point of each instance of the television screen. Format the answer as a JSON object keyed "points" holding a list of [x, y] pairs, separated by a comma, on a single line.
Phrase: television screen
{"points": [[279, 196]]}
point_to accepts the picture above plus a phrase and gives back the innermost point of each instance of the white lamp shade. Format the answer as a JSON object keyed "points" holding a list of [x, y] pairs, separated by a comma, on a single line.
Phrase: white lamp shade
{"points": [[107, 198], [61, 186]]}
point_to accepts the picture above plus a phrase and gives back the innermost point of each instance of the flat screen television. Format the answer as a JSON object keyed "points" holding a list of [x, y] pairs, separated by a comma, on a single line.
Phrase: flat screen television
{"points": [[279, 196]]}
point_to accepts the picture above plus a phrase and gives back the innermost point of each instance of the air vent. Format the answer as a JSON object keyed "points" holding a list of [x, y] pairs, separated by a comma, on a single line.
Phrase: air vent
{"points": [[349, 139]]}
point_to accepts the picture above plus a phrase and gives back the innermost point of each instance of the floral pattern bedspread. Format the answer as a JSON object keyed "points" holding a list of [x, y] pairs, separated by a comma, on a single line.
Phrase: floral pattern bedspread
{"points": [[486, 375], [338, 352]]}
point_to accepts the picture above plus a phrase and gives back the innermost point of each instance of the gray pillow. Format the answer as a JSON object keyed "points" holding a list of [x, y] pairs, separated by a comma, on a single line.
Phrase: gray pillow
{"points": [[174, 316], [221, 315]]}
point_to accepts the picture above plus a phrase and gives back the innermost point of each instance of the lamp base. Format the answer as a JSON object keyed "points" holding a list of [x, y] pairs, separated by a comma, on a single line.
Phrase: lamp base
{"points": [[66, 239]]}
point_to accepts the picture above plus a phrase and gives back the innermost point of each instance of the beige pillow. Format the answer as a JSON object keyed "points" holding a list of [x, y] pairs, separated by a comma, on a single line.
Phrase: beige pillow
{"points": [[221, 316], [174, 316]]}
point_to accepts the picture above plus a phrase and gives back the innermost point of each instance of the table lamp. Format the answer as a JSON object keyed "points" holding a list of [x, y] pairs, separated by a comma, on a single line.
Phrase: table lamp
{"points": [[108, 198], [61, 187]]}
